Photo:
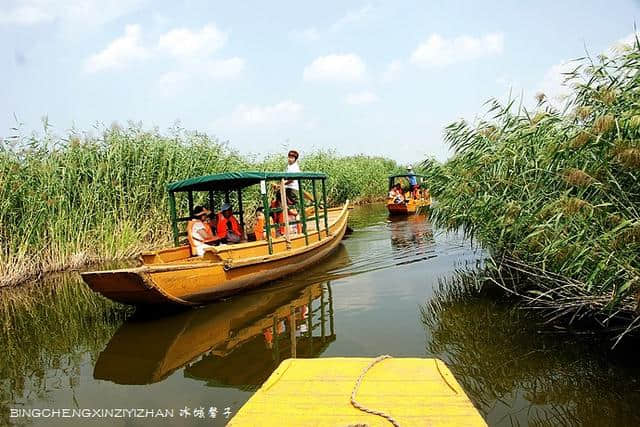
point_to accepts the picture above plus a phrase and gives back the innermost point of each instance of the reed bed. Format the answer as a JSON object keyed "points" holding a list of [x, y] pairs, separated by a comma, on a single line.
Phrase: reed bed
{"points": [[555, 194], [68, 202]]}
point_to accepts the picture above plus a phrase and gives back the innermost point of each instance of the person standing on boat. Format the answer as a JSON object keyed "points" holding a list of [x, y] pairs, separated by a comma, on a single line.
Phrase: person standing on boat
{"points": [[291, 186], [413, 181], [199, 233], [227, 226]]}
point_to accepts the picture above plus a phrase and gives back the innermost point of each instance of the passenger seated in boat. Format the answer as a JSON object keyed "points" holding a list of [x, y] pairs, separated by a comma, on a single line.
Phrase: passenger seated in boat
{"points": [[399, 198], [199, 232], [227, 226]]}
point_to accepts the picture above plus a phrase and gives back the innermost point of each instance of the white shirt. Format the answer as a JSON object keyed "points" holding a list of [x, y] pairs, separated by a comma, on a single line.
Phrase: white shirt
{"points": [[293, 168], [200, 245]]}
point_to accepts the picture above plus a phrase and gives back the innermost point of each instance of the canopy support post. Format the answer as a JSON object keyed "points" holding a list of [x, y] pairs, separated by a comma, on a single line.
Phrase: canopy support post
{"points": [[190, 196], [240, 207], [303, 214], [267, 214], [212, 208], [315, 208], [174, 221], [324, 200], [285, 212]]}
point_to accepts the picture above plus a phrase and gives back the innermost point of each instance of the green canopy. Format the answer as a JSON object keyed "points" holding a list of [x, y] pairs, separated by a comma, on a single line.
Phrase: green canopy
{"points": [[236, 180]]}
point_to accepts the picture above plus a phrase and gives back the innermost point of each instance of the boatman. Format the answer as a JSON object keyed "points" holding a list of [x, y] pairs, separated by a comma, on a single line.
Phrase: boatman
{"points": [[291, 186], [413, 181], [227, 226]]}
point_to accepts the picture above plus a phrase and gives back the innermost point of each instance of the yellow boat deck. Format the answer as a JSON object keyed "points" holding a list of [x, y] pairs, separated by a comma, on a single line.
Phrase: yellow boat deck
{"points": [[317, 392]]}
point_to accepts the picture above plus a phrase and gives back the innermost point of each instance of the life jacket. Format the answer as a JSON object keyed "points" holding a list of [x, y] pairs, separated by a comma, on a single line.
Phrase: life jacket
{"points": [[221, 227], [193, 239], [278, 217], [258, 228]]}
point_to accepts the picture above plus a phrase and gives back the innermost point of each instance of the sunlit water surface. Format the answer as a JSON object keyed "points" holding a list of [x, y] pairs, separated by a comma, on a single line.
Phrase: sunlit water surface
{"points": [[381, 292]]}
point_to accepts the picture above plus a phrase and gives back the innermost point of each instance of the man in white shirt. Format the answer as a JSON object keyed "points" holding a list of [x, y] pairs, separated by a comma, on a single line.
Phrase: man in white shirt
{"points": [[291, 185]]}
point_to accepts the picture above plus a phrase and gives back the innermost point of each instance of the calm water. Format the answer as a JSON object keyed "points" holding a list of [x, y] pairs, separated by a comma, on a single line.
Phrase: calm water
{"points": [[384, 291]]}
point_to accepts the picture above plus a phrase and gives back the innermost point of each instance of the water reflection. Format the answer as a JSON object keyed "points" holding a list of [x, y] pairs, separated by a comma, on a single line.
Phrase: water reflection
{"points": [[518, 374], [239, 341]]}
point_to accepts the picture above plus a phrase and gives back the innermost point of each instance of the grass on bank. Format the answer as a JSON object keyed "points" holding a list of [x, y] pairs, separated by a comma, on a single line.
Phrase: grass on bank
{"points": [[555, 193], [67, 202]]}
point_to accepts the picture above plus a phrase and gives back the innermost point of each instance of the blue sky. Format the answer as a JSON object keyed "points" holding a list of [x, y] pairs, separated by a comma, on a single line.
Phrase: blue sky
{"points": [[380, 78]]}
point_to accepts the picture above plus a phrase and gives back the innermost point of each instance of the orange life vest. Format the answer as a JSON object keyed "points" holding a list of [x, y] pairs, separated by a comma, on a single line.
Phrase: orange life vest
{"points": [[278, 217], [221, 227], [258, 228]]}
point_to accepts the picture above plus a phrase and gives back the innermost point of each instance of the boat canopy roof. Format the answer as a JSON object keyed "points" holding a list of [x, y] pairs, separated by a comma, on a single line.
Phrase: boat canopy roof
{"points": [[236, 180]]}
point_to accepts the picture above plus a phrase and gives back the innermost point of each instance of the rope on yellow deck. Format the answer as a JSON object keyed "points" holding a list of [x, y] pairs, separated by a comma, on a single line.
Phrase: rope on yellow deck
{"points": [[357, 386]]}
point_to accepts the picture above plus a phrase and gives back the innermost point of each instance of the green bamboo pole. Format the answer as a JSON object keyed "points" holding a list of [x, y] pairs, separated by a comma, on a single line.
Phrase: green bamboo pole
{"points": [[241, 209], [303, 214], [267, 214], [174, 221], [315, 207], [324, 200]]}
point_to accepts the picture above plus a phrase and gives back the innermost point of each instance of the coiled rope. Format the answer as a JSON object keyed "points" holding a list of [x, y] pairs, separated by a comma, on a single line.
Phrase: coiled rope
{"points": [[357, 386]]}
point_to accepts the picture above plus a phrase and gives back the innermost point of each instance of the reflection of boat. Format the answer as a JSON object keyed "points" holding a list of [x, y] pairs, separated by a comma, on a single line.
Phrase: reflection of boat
{"points": [[145, 351], [173, 275], [413, 202], [410, 232]]}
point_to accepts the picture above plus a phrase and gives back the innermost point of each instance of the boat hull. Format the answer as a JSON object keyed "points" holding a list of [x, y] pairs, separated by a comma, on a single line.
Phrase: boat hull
{"points": [[220, 273], [407, 208]]}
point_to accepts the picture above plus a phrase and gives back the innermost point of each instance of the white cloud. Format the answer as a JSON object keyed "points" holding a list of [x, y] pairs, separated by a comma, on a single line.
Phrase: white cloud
{"points": [[352, 17], [224, 68], [347, 67], [243, 116], [359, 98], [552, 84], [119, 52], [393, 69], [439, 51], [183, 42]]}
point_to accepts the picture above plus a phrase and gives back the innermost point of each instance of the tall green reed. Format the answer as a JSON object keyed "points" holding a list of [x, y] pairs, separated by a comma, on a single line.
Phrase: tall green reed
{"points": [[556, 191]]}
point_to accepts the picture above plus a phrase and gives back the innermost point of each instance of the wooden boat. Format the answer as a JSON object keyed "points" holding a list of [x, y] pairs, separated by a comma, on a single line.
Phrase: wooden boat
{"points": [[229, 343], [350, 391], [410, 205], [174, 276]]}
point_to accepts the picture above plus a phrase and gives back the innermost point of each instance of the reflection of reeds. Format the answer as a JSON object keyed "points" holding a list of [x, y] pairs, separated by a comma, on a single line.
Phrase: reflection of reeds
{"points": [[48, 330], [573, 176], [521, 372]]}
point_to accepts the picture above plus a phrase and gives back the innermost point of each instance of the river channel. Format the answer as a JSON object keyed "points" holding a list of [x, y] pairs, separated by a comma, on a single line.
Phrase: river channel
{"points": [[392, 287]]}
